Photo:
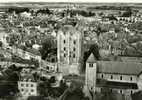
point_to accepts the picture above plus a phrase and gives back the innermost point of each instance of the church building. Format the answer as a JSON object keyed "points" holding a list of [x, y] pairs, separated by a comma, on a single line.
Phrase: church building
{"points": [[121, 77]]}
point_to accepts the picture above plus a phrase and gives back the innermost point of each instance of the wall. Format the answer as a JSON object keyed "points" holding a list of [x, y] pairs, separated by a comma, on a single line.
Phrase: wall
{"points": [[126, 92], [116, 77], [27, 88]]}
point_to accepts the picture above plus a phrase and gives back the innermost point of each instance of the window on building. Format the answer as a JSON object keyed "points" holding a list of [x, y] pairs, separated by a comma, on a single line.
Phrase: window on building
{"points": [[22, 85], [101, 89], [74, 42], [32, 90], [22, 89], [64, 41], [111, 76], [74, 49], [121, 91], [73, 55], [64, 48], [131, 78], [111, 90], [90, 65], [47, 67], [102, 76], [131, 92], [32, 85], [64, 55], [120, 77]]}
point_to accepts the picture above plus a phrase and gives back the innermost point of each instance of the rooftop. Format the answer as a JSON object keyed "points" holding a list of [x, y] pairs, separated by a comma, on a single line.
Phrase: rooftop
{"points": [[116, 67], [91, 58]]}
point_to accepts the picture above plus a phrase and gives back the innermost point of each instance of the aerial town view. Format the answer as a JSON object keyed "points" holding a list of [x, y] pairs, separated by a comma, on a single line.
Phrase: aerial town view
{"points": [[70, 51]]}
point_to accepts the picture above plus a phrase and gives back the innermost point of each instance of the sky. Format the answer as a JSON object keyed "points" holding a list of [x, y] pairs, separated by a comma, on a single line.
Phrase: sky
{"points": [[99, 1]]}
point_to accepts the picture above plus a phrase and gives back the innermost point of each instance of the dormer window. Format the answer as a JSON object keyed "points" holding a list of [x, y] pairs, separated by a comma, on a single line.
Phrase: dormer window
{"points": [[90, 65], [131, 78], [121, 91], [111, 76]]}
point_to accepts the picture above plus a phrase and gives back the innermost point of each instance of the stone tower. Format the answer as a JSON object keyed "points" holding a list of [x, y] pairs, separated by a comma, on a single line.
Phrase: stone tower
{"points": [[91, 70], [69, 53]]}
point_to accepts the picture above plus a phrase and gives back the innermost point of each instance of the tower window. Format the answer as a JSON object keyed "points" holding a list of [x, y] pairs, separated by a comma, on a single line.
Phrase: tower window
{"points": [[74, 49], [131, 78], [73, 55], [32, 90], [120, 77], [64, 41], [74, 42], [64, 55], [90, 65], [64, 49]]}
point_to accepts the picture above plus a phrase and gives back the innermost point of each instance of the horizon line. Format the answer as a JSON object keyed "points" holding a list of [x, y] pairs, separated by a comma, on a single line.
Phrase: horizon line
{"points": [[24, 1]]}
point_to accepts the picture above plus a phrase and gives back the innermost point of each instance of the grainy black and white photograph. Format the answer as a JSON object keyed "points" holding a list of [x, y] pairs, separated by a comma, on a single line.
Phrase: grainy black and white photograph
{"points": [[70, 50]]}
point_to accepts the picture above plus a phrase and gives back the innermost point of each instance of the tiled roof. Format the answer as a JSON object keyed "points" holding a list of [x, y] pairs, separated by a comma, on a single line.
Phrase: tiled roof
{"points": [[27, 77], [130, 68], [91, 58], [116, 67]]}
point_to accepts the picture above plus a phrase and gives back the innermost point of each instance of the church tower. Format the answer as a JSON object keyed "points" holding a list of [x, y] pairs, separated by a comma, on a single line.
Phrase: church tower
{"points": [[91, 70], [69, 52]]}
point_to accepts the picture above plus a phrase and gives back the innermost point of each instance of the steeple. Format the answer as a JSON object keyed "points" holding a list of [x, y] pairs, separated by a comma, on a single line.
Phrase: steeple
{"points": [[91, 58]]}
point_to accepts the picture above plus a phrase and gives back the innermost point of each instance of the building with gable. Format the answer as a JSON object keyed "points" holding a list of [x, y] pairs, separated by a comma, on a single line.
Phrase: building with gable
{"points": [[28, 86], [70, 52], [121, 77]]}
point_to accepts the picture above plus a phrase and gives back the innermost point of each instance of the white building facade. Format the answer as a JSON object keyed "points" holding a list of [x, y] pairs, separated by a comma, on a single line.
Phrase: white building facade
{"points": [[69, 44], [27, 88]]}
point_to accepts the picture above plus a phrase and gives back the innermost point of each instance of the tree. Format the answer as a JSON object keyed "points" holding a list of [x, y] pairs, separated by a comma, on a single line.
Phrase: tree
{"points": [[137, 95], [73, 93], [48, 46], [8, 84]]}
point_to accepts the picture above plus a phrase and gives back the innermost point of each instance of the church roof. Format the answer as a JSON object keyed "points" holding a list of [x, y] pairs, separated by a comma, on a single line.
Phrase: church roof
{"points": [[91, 58], [115, 67], [69, 29]]}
